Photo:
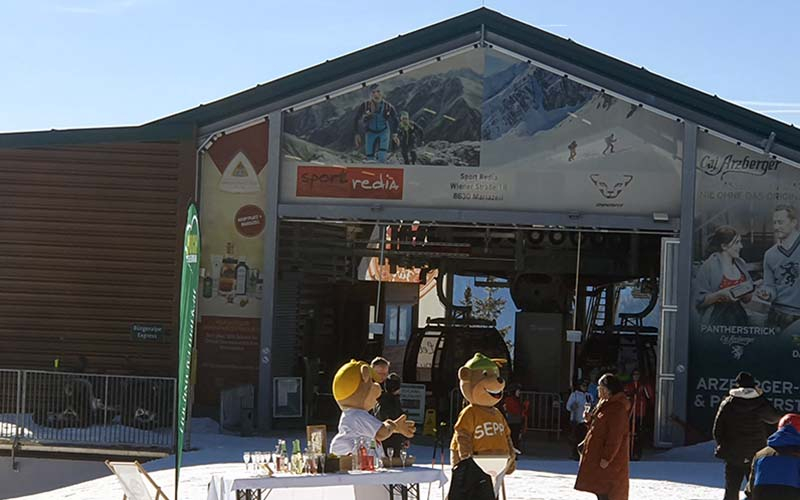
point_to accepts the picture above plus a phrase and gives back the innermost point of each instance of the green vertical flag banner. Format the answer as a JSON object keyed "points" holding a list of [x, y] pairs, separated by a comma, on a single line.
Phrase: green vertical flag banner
{"points": [[190, 274]]}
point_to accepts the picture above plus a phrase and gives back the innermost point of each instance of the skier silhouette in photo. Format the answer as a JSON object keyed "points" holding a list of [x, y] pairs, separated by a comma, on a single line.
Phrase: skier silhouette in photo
{"points": [[408, 137], [610, 140], [377, 120], [573, 150]]}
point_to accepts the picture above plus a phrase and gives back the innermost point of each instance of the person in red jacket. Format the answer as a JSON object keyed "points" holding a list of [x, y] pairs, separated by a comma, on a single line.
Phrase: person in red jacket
{"points": [[641, 396], [512, 407]]}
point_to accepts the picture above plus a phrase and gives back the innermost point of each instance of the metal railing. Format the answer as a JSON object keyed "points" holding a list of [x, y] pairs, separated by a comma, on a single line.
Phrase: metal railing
{"points": [[544, 411], [87, 409]]}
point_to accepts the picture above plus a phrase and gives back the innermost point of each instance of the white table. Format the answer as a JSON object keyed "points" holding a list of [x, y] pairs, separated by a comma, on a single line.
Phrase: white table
{"points": [[394, 483]]}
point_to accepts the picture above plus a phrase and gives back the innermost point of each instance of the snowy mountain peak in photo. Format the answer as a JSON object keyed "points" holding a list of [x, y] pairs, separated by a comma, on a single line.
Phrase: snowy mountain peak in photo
{"points": [[524, 99]]}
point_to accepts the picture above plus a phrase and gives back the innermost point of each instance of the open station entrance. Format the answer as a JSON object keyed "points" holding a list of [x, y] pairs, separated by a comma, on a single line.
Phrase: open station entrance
{"points": [[559, 304]]}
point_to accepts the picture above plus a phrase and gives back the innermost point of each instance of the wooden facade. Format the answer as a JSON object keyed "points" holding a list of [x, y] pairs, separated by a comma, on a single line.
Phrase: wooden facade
{"points": [[90, 245]]}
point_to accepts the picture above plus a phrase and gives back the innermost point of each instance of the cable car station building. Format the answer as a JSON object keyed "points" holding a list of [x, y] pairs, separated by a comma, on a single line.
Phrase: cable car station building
{"points": [[338, 203]]}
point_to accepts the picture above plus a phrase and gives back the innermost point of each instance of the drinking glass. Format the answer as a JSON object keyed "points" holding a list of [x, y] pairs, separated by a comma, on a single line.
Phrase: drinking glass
{"points": [[246, 457], [403, 456], [390, 453]]}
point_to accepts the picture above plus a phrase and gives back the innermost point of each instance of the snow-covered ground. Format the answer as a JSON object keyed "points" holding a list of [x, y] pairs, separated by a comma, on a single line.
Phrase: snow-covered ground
{"points": [[683, 474]]}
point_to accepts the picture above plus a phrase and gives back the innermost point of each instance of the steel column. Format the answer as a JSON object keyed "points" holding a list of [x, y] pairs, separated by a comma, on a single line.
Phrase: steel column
{"points": [[270, 271], [685, 257]]}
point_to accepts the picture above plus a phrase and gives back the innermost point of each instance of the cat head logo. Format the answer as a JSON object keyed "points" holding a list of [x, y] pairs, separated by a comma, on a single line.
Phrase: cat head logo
{"points": [[611, 186]]}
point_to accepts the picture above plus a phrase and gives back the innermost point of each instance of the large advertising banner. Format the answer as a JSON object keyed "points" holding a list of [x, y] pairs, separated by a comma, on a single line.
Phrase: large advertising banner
{"points": [[233, 197], [746, 278], [483, 130]]}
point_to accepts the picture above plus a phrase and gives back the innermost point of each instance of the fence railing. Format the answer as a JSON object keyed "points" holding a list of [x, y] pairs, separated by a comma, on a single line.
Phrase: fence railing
{"points": [[544, 410], [87, 409]]}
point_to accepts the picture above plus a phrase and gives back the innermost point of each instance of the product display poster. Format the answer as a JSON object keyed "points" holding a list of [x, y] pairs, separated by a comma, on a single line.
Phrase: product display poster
{"points": [[483, 130], [233, 198], [745, 312], [232, 216]]}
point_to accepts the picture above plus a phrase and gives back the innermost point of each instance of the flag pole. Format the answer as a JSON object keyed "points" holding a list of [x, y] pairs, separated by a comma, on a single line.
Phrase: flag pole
{"points": [[188, 309]]}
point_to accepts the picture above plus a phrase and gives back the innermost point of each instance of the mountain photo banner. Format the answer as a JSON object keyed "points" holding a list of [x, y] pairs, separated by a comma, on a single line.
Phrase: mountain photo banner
{"points": [[483, 129]]}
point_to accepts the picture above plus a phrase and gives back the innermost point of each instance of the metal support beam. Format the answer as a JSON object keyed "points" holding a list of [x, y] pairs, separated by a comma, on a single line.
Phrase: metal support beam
{"points": [[585, 222], [686, 245], [270, 272]]}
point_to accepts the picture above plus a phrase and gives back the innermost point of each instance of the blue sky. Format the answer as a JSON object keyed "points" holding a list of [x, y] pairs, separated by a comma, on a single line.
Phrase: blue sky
{"points": [[81, 63]]}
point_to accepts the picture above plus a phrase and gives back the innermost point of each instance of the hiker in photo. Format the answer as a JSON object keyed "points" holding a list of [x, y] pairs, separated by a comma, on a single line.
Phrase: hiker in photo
{"points": [[781, 284], [409, 136], [573, 150], [740, 430], [377, 120], [610, 140], [722, 282]]}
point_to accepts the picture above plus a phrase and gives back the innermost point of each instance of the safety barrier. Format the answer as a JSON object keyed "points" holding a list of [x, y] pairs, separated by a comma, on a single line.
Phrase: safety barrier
{"points": [[54, 408], [456, 405], [544, 411]]}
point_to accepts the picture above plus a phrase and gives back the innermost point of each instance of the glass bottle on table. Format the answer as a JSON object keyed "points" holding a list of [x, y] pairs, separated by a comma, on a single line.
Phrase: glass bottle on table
{"points": [[284, 457], [297, 457], [374, 456], [363, 454], [356, 453]]}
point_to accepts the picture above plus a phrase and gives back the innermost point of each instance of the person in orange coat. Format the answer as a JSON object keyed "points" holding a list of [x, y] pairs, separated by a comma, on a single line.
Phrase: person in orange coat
{"points": [[605, 454]]}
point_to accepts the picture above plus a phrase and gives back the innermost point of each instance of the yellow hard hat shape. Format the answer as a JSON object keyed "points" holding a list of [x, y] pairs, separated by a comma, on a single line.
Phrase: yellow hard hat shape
{"points": [[348, 379]]}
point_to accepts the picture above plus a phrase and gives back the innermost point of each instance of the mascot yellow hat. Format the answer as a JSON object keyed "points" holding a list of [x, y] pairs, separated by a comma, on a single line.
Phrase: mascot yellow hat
{"points": [[347, 380]]}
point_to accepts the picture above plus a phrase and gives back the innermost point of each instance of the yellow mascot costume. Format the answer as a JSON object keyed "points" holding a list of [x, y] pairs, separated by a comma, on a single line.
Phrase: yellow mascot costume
{"points": [[481, 429], [356, 392]]}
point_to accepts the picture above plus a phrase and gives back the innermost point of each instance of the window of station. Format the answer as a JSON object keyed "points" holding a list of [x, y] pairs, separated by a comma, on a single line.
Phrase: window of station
{"points": [[398, 323]]}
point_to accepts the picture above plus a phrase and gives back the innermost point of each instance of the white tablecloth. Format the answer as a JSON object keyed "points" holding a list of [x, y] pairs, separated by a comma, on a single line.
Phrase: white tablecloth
{"points": [[223, 487]]}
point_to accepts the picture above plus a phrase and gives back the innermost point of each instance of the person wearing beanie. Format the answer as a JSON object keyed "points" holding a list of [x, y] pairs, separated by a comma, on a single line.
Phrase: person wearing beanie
{"points": [[740, 430], [388, 408], [775, 474]]}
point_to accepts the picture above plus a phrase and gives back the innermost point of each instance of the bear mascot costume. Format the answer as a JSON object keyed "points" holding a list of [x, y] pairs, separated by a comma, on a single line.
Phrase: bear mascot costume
{"points": [[356, 393], [481, 429]]}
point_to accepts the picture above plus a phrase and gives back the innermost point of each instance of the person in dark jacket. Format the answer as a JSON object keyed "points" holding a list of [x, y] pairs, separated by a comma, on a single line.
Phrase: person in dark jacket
{"points": [[740, 430], [409, 136], [388, 408], [775, 474]]}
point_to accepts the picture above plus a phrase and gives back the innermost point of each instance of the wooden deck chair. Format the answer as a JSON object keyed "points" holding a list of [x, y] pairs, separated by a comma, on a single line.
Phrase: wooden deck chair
{"points": [[131, 476]]}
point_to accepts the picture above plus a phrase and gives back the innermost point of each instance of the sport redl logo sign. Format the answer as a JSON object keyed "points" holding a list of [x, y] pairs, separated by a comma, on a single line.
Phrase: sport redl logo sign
{"points": [[350, 182]]}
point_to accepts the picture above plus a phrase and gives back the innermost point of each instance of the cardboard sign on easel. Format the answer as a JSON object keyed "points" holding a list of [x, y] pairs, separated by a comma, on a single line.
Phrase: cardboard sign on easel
{"points": [[495, 466]]}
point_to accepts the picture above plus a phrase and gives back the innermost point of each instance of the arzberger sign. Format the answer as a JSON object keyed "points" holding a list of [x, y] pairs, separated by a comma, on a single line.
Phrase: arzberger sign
{"points": [[350, 182]]}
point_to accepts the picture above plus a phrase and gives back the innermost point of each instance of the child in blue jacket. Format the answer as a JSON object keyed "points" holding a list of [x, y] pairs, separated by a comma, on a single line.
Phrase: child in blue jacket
{"points": [[775, 471]]}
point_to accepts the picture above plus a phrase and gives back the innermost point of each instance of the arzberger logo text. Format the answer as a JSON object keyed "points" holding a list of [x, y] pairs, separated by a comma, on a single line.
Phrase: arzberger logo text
{"points": [[722, 166], [350, 182]]}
